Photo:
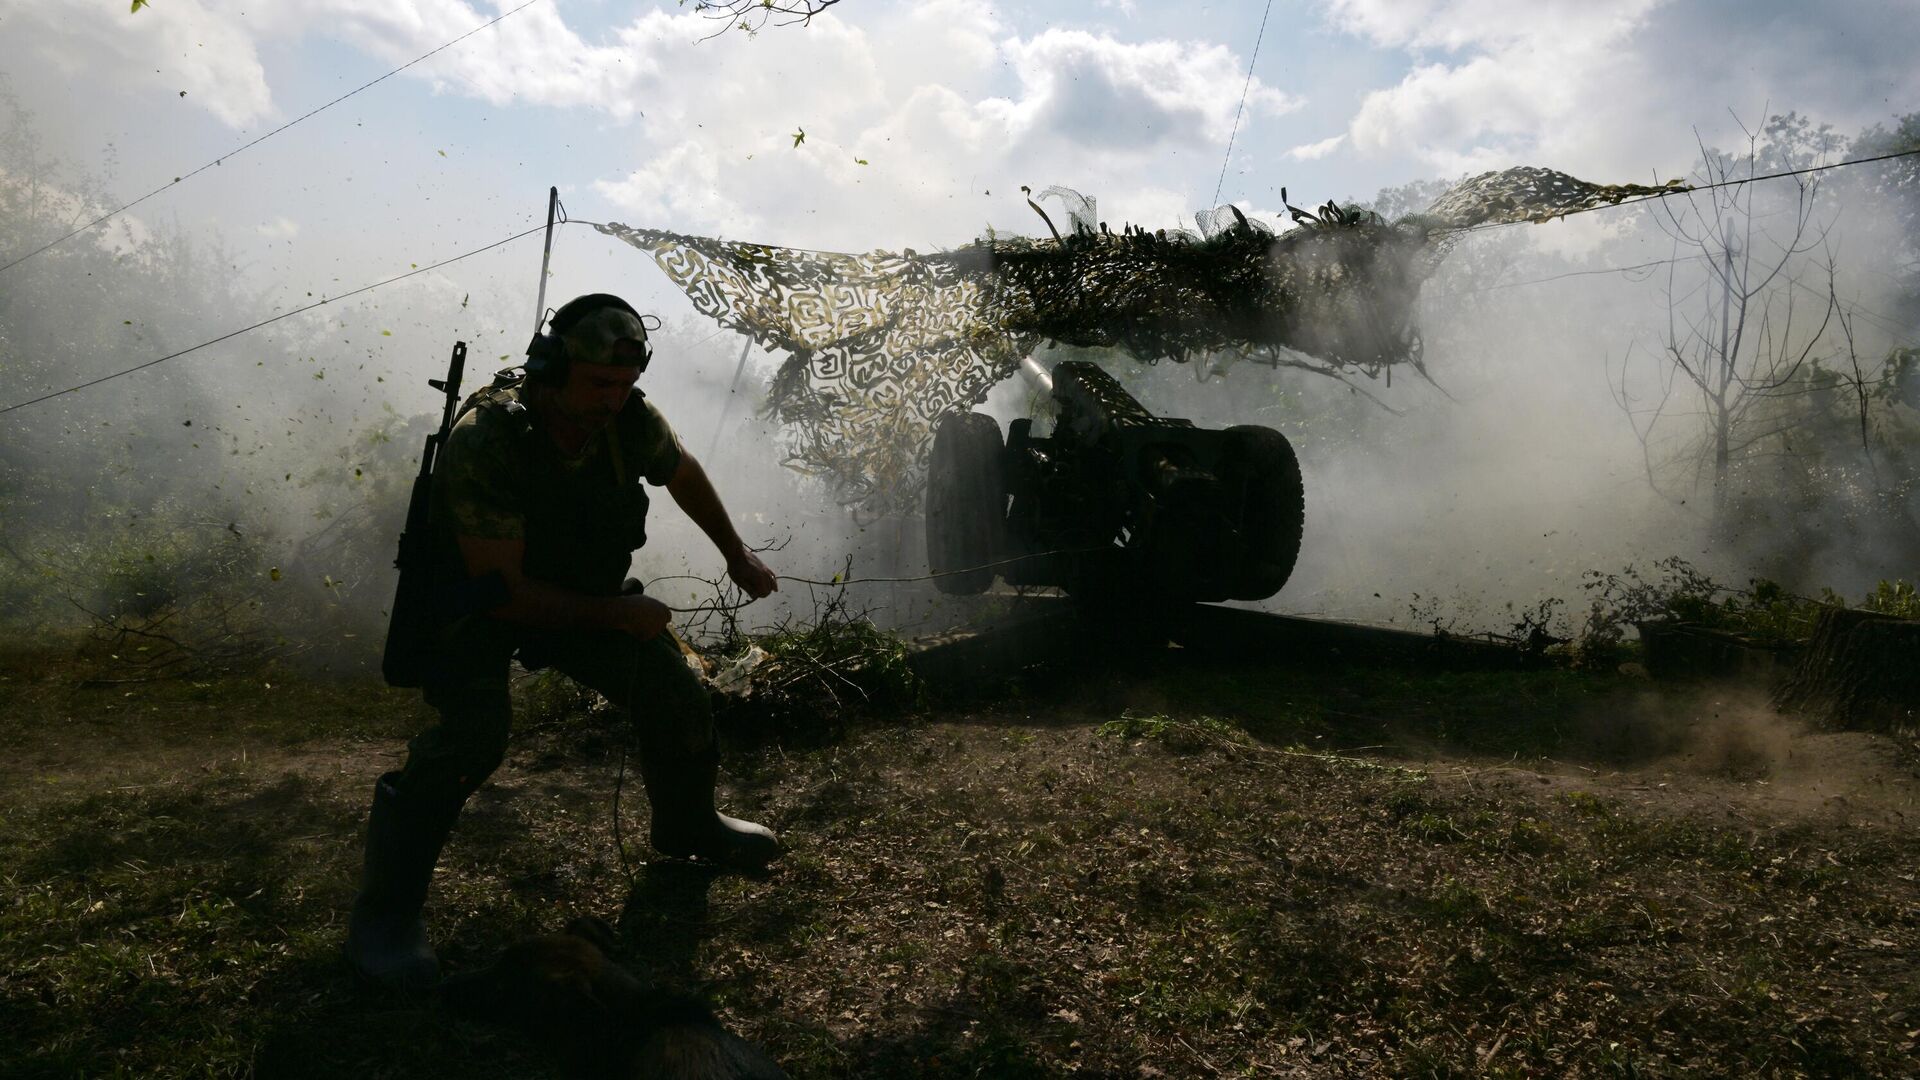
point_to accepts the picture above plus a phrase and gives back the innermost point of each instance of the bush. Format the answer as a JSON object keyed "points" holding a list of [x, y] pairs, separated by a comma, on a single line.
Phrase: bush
{"points": [[1896, 598], [1679, 592]]}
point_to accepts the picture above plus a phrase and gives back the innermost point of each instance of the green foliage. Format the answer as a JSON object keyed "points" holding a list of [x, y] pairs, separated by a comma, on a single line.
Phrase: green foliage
{"points": [[810, 677], [1185, 735], [1763, 611], [1897, 598], [1677, 591]]}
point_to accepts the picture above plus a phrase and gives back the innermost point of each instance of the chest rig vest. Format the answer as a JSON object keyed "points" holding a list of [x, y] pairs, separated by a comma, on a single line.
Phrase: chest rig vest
{"points": [[585, 517]]}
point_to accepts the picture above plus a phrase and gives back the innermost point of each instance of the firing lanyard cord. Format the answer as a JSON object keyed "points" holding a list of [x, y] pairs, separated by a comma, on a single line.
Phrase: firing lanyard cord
{"points": [[838, 582]]}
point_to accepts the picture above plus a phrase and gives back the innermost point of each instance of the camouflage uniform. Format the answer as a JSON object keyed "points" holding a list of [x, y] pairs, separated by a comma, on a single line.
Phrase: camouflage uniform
{"points": [[502, 478]]}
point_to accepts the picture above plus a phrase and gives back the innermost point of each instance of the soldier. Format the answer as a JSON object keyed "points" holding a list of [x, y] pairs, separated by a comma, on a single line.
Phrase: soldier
{"points": [[537, 508]]}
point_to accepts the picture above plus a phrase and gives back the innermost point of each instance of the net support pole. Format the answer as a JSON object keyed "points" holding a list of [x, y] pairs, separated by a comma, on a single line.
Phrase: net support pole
{"points": [[726, 407], [546, 257]]}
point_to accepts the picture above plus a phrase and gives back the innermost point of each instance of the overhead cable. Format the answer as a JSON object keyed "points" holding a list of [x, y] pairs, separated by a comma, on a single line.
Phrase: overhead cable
{"points": [[248, 146], [267, 322], [1218, 184], [1696, 187], [1896, 329]]}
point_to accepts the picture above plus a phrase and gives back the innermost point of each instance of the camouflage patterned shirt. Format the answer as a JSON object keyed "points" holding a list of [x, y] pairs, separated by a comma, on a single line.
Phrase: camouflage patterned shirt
{"points": [[500, 477]]}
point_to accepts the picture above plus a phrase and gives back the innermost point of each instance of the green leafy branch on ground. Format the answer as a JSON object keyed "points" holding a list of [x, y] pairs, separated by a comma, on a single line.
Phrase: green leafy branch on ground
{"points": [[813, 673], [1675, 591]]}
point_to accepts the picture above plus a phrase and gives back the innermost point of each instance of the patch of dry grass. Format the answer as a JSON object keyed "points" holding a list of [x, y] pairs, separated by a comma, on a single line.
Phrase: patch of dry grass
{"points": [[1103, 876]]}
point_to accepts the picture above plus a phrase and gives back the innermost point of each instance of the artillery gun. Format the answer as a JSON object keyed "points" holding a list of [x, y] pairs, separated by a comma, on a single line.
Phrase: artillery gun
{"points": [[1115, 501]]}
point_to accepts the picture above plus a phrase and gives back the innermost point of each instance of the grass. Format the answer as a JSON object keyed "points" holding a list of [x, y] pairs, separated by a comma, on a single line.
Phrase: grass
{"points": [[1187, 869]]}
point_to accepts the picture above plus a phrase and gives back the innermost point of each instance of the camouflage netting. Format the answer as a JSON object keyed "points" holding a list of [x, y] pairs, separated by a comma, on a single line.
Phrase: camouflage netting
{"points": [[1532, 194], [881, 345]]}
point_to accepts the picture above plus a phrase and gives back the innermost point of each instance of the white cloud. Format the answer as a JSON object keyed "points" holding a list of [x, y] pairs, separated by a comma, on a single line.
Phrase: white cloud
{"points": [[1525, 74], [189, 46], [937, 43], [1485, 24], [1102, 93], [1316, 151], [1105, 116], [280, 228], [680, 186], [1616, 89], [940, 97]]}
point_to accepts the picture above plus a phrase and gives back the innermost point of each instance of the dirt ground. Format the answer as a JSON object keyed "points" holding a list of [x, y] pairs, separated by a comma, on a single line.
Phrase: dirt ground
{"points": [[1159, 866]]}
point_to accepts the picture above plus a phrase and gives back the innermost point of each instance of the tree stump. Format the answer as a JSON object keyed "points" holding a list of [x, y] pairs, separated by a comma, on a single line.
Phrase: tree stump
{"points": [[1861, 671]]}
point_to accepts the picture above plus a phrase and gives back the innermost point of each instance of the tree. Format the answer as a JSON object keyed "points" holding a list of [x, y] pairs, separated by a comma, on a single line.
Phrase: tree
{"points": [[1771, 382], [1890, 191], [752, 15], [1742, 321]]}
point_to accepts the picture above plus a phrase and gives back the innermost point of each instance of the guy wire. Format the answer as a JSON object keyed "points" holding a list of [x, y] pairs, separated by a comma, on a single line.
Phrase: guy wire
{"points": [[266, 322], [835, 584], [1690, 189], [530, 232], [1254, 59], [248, 146]]}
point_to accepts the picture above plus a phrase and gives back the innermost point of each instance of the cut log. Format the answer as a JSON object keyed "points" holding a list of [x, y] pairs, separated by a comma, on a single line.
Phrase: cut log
{"points": [[1861, 671]]}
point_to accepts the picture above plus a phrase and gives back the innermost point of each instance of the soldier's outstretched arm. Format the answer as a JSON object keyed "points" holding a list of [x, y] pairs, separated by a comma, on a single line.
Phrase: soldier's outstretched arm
{"points": [[537, 603], [694, 493]]}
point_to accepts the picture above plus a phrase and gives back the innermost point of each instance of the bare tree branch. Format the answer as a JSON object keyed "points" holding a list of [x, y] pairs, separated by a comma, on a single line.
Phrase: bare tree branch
{"points": [[752, 15]]}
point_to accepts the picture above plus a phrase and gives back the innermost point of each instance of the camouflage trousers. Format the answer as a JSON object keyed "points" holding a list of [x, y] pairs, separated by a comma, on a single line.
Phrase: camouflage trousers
{"points": [[650, 679]]}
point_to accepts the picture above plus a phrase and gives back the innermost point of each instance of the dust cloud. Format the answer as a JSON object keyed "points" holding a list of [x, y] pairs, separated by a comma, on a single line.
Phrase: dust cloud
{"points": [[1723, 749], [287, 452], [1532, 459]]}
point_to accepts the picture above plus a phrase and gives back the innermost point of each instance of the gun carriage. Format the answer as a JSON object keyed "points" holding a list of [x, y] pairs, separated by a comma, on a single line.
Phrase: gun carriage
{"points": [[1114, 499]]}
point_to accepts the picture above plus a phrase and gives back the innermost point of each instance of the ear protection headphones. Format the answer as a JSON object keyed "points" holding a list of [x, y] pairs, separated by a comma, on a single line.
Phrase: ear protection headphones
{"points": [[547, 361]]}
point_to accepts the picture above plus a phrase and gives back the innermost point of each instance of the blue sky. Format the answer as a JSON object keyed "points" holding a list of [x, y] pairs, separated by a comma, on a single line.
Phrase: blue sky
{"points": [[951, 105]]}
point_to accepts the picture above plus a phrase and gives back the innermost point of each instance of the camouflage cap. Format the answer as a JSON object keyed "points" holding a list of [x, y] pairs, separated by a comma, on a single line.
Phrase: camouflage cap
{"points": [[607, 335]]}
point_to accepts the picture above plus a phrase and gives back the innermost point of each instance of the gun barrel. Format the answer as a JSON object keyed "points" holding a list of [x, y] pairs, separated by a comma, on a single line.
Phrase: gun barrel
{"points": [[456, 367], [410, 621], [1040, 377]]}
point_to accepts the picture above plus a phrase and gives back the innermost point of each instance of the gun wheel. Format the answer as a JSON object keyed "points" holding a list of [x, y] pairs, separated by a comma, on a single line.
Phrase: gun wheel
{"points": [[1274, 513], [966, 502]]}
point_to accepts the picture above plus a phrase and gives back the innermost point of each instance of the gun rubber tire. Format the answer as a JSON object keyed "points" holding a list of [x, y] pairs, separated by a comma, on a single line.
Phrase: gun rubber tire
{"points": [[1274, 513], [966, 502]]}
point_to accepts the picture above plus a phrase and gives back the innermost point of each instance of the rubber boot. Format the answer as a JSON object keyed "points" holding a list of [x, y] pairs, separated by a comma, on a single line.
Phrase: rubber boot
{"points": [[685, 823], [386, 935]]}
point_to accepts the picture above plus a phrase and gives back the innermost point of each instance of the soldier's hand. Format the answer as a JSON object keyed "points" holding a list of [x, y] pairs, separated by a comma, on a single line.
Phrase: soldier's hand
{"points": [[752, 575], [644, 617]]}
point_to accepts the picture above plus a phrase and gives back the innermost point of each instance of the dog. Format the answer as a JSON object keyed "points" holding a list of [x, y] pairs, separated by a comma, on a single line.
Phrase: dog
{"points": [[604, 1023]]}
